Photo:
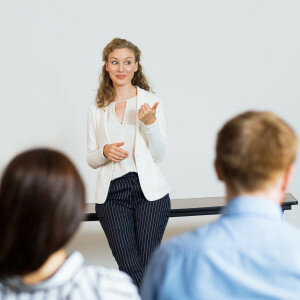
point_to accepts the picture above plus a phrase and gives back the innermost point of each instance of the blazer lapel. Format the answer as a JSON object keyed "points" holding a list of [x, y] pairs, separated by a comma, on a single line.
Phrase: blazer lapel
{"points": [[104, 113], [139, 103]]}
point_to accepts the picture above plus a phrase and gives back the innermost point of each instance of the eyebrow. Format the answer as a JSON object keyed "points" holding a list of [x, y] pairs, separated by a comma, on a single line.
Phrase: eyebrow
{"points": [[124, 58]]}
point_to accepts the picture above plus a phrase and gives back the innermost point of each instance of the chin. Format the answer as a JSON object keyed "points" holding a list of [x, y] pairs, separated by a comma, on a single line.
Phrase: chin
{"points": [[121, 83]]}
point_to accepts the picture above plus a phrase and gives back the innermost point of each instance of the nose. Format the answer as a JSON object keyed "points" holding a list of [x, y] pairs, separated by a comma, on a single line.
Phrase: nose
{"points": [[120, 67]]}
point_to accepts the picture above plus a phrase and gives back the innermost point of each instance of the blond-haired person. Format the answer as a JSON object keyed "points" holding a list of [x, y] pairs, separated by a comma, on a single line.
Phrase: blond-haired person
{"points": [[126, 141], [250, 252]]}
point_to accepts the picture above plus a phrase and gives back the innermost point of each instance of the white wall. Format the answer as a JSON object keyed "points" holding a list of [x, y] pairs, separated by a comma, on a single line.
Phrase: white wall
{"points": [[207, 60]]}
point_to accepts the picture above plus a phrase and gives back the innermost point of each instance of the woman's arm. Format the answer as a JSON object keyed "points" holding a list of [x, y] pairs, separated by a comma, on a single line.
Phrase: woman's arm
{"points": [[95, 157]]}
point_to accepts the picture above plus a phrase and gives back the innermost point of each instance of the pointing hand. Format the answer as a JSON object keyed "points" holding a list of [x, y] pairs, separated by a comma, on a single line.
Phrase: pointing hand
{"points": [[147, 114]]}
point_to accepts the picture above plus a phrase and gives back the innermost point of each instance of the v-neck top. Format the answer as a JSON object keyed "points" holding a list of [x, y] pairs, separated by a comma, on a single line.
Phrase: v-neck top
{"points": [[125, 131]]}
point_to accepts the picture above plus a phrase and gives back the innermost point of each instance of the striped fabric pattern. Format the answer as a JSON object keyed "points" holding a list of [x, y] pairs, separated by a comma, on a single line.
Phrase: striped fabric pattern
{"points": [[73, 281], [134, 226]]}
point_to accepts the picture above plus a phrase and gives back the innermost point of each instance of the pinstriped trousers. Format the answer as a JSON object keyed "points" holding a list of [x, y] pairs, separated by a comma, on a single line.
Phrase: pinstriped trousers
{"points": [[133, 225]]}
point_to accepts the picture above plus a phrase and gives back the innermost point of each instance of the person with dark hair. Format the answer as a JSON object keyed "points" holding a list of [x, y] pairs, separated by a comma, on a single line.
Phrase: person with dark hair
{"points": [[42, 200], [126, 142], [250, 252]]}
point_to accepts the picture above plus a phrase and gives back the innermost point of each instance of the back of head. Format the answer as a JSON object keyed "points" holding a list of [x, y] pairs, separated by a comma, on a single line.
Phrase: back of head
{"points": [[41, 206], [254, 149]]}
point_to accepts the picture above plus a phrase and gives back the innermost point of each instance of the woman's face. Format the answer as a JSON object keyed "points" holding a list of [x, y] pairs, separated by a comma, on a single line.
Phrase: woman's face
{"points": [[121, 66]]}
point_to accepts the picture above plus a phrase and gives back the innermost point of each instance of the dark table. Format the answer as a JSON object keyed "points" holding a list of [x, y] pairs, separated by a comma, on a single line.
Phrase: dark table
{"points": [[195, 206]]}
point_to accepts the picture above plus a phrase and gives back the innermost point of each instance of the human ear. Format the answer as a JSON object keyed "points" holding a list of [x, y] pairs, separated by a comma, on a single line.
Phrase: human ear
{"points": [[106, 66], [287, 177], [136, 66], [218, 171]]}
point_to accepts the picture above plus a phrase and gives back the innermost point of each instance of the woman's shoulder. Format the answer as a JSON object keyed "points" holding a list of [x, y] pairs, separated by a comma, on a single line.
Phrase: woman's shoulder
{"points": [[94, 109], [148, 95], [106, 273], [113, 282]]}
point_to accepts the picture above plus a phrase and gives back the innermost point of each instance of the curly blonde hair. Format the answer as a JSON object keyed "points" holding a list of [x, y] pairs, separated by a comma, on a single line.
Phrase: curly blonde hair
{"points": [[105, 92]]}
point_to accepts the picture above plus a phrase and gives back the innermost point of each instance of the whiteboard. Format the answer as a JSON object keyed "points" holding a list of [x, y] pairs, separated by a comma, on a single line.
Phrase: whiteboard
{"points": [[206, 60]]}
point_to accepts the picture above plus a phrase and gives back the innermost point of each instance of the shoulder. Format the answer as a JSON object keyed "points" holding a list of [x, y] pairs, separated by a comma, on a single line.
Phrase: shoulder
{"points": [[109, 282], [94, 111], [105, 273], [177, 258], [93, 108], [187, 243], [147, 95], [195, 242], [291, 233]]}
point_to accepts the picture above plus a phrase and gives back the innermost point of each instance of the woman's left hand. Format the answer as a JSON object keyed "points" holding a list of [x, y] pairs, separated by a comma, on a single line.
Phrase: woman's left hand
{"points": [[147, 114]]}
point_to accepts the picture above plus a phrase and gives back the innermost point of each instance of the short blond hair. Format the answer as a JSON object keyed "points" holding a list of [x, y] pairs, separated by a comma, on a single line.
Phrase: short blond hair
{"points": [[253, 149]]}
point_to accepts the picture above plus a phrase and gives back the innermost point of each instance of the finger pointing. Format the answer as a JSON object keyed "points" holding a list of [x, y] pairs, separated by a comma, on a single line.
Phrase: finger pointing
{"points": [[155, 105], [119, 144]]}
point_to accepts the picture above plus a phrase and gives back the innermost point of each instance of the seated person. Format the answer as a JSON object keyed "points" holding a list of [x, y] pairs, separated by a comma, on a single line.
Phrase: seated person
{"points": [[250, 252], [42, 202]]}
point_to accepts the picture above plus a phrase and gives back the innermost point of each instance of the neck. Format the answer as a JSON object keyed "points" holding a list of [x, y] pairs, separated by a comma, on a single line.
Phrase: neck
{"points": [[273, 194], [124, 92], [49, 268]]}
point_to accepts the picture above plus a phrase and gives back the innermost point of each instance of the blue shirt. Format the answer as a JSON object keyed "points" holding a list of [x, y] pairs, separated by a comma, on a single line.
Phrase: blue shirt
{"points": [[249, 253]]}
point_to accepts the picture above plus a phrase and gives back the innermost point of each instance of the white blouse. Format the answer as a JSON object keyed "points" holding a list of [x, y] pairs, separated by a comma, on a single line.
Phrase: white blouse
{"points": [[123, 132]]}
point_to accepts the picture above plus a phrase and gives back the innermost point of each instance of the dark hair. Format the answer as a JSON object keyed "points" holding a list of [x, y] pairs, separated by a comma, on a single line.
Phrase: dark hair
{"points": [[41, 205]]}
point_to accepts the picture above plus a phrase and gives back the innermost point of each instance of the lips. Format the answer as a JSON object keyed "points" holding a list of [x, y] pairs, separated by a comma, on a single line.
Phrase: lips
{"points": [[121, 76]]}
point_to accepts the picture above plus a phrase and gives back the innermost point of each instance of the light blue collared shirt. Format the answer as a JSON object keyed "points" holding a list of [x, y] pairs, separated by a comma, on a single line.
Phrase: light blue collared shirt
{"points": [[249, 253]]}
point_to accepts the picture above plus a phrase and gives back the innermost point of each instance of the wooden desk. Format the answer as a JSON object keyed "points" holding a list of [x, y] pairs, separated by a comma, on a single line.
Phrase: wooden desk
{"points": [[194, 206]]}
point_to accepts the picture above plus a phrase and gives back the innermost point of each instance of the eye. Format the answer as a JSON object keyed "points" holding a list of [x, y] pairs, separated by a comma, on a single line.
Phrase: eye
{"points": [[128, 62], [114, 62]]}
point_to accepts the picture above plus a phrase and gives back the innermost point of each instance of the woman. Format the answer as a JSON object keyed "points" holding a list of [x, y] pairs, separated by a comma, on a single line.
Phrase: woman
{"points": [[41, 206], [126, 140]]}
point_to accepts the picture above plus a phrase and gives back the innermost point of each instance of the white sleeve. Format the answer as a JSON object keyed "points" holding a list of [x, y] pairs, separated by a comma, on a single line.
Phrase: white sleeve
{"points": [[156, 134], [95, 157]]}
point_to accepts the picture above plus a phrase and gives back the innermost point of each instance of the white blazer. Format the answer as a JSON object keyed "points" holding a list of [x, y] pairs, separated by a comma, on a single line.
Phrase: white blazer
{"points": [[150, 149]]}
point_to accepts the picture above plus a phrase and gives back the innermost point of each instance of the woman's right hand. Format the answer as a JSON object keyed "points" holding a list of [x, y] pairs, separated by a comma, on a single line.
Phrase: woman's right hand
{"points": [[114, 153]]}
